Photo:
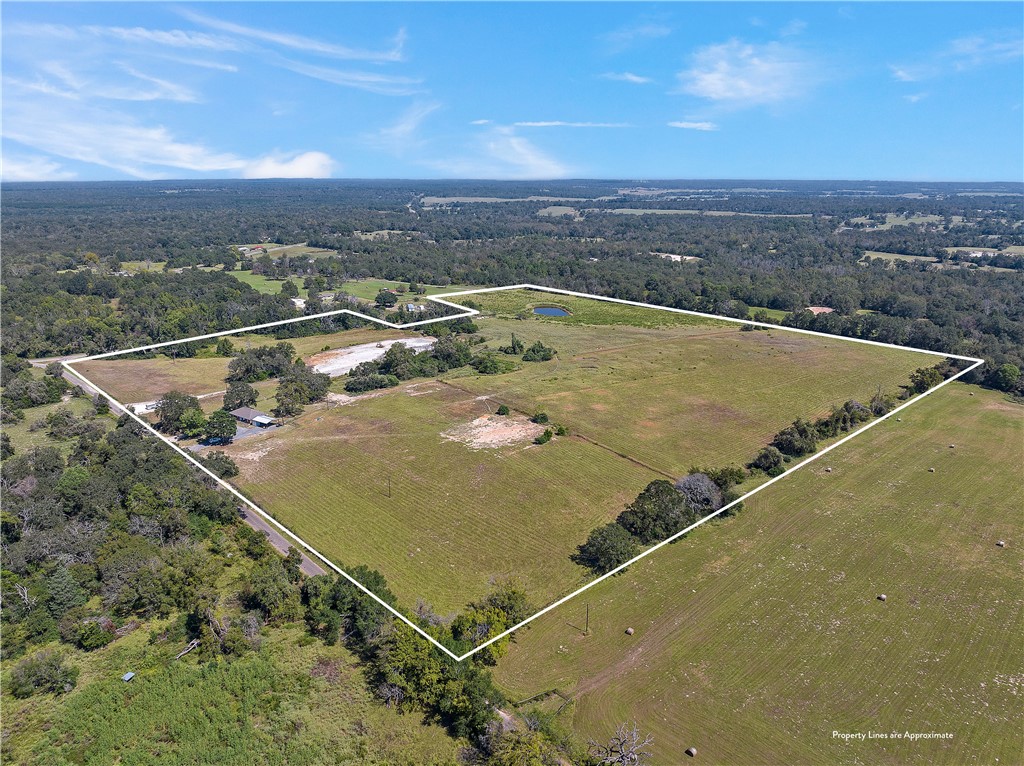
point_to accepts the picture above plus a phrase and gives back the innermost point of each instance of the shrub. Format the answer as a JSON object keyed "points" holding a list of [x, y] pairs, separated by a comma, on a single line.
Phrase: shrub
{"points": [[768, 460], [538, 352], [370, 382], [797, 439], [503, 410], [545, 437], [220, 464], [44, 671], [701, 494], [540, 418], [606, 548], [658, 512]]}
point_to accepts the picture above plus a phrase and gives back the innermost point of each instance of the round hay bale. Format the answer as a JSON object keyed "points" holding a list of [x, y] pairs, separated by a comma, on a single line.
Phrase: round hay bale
{"points": [[952, 446], [931, 470], [828, 470], [1001, 543], [629, 631], [899, 420], [692, 752], [881, 597]]}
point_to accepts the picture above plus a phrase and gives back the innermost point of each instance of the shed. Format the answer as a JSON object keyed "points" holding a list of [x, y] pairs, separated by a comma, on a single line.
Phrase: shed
{"points": [[127, 677], [253, 417]]}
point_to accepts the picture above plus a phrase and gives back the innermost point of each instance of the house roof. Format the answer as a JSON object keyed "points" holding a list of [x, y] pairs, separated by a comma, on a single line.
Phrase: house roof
{"points": [[820, 309], [248, 413]]}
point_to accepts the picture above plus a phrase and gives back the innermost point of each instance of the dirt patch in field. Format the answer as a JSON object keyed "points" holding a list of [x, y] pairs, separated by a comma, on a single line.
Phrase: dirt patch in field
{"points": [[493, 431]]}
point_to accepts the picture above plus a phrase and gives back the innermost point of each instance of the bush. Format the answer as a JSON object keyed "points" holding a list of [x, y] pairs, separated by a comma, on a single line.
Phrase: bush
{"points": [[540, 418], [606, 548], [92, 635], [503, 410], [797, 439], [220, 464], [373, 381], [768, 460], [545, 437], [657, 513], [45, 671], [538, 352], [701, 494]]}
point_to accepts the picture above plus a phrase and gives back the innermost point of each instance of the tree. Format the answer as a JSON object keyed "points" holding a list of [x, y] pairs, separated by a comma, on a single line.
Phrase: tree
{"points": [[503, 409], [64, 592], [220, 464], [538, 352], [1005, 377], [192, 423], [515, 348], [225, 347], [626, 748], [220, 427], [768, 460], [924, 378], [54, 370], [658, 512], [239, 394], [606, 548], [386, 299], [701, 494], [289, 289], [6, 448], [797, 439], [171, 407]]}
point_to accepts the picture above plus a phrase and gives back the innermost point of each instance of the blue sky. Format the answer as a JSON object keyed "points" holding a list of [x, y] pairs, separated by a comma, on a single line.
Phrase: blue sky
{"points": [[929, 91]]}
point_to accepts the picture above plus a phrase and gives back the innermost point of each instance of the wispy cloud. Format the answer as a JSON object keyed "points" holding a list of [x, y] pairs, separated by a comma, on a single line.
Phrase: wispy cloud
{"points": [[793, 28], [374, 82], [913, 98], [626, 77], [174, 38], [740, 74], [963, 54], [626, 37], [694, 125], [401, 136], [33, 168], [112, 140], [564, 124], [480, 122], [66, 83], [301, 42], [502, 154]]}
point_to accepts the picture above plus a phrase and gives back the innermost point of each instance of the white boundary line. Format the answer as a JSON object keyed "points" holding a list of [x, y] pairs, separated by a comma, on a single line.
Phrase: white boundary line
{"points": [[466, 312]]}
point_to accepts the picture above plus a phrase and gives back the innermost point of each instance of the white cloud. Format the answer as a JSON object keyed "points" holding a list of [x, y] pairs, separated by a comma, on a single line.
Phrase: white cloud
{"points": [[740, 74], [374, 82], [502, 154], [401, 136], [75, 86], [626, 77], [694, 125], [627, 37], [305, 165], [301, 42], [793, 28], [963, 54], [480, 122], [913, 98], [33, 168], [563, 124]]}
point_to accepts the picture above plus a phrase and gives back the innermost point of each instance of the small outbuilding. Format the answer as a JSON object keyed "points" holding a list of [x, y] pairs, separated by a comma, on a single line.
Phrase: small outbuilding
{"points": [[252, 417], [127, 677]]}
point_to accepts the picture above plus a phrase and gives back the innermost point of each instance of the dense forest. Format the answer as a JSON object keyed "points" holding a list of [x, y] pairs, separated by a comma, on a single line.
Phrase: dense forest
{"points": [[797, 245]]}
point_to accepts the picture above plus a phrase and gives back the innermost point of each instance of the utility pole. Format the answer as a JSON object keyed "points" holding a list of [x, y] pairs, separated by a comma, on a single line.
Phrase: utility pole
{"points": [[389, 485], [587, 631]]}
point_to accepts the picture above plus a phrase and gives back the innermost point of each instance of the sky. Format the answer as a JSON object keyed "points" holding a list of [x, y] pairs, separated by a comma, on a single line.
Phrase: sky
{"points": [[900, 91]]}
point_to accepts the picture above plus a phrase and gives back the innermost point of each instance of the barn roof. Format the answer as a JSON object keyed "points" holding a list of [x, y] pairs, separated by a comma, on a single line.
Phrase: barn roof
{"points": [[248, 413]]}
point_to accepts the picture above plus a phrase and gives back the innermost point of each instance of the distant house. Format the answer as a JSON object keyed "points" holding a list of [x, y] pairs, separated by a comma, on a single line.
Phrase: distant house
{"points": [[414, 307], [820, 310], [252, 417]]}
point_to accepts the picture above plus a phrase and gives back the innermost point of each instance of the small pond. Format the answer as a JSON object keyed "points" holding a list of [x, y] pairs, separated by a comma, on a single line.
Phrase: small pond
{"points": [[551, 311]]}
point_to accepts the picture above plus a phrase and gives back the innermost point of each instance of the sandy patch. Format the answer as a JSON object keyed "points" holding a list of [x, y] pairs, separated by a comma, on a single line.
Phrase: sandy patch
{"points": [[492, 431], [255, 455], [342, 400], [341, 361]]}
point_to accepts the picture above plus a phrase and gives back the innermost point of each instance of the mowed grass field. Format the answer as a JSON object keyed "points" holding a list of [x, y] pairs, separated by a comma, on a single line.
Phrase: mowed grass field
{"points": [[689, 392], [145, 380], [758, 636], [375, 482]]}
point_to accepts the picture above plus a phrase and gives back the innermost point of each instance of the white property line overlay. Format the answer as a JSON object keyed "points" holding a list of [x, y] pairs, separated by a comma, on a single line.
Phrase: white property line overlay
{"points": [[468, 312]]}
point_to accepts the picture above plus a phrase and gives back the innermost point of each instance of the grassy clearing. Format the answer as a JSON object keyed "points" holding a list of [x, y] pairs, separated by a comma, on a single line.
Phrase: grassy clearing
{"points": [[23, 438], [777, 314], [367, 289], [145, 380], [899, 257], [266, 285], [697, 393], [893, 219], [758, 636], [134, 267], [456, 518]]}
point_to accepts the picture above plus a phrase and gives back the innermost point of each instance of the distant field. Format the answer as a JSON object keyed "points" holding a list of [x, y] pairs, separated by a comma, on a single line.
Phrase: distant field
{"points": [[892, 219], [23, 438], [664, 211], [367, 289], [266, 285], [899, 257], [777, 314], [757, 636]]}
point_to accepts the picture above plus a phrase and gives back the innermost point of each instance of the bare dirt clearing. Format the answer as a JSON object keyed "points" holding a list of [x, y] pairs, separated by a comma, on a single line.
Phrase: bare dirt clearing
{"points": [[341, 361], [491, 431]]}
